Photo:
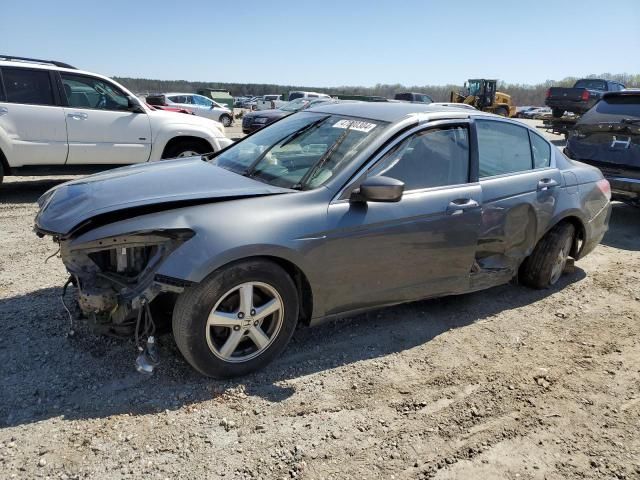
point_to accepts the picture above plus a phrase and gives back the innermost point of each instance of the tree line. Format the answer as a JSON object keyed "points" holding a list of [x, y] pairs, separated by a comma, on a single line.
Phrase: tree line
{"points": [[522, 94]]}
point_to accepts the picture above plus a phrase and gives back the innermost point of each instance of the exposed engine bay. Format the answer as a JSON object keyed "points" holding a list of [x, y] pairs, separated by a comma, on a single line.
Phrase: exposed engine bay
{"points": [[116, 280]]}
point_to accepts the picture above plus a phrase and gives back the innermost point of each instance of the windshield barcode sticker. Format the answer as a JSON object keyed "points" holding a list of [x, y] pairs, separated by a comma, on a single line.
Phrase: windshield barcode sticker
{"points": [[355, 125]]}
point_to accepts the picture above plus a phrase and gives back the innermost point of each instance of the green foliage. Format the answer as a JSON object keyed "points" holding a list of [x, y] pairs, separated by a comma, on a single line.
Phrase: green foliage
{"points": [[521, 94]]}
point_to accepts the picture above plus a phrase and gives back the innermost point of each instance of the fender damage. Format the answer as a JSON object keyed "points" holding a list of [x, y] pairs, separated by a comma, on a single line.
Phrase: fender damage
{"points": [[116, 275]]}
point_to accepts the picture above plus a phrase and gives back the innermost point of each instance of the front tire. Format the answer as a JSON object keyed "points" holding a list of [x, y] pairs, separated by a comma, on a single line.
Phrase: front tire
{"points": [[226, 120], [237, 320], [544, 267], [185, 149]]}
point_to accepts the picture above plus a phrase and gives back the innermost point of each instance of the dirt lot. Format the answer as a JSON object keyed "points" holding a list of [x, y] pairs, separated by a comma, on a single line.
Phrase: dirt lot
{"points": [[508, 383]]}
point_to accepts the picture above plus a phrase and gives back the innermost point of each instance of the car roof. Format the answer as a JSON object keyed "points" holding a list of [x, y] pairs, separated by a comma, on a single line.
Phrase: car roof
{"points": [[388, 111]]}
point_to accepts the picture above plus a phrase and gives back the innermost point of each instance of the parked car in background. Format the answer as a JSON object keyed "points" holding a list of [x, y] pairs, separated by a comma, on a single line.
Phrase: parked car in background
{"points": [[55, 118], [251, 103], [238, 102], [581, 97], [295, 94], [413, 97], [220, 96], [198, 104], [521, 110], [256, 120], [268, 102], [331, 211], [536, 113], [608, 137], [170, 109]]}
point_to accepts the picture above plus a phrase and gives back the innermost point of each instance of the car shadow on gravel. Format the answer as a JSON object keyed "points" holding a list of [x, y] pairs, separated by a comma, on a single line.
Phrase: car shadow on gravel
{"points": [[47, 374], [624, 227], [27, 191]]}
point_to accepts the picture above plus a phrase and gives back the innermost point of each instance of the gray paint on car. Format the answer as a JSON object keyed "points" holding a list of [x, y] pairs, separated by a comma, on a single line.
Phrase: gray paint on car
{"points": [[355, 256]]}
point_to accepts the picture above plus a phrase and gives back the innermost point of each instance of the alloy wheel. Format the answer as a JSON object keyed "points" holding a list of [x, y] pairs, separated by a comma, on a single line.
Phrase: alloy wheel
{"points": [[187, 153], [244, 322], [561, 261]]}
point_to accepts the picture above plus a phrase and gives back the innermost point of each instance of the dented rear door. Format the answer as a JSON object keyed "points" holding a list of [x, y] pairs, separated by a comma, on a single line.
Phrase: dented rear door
{"points": [[520, 187]]}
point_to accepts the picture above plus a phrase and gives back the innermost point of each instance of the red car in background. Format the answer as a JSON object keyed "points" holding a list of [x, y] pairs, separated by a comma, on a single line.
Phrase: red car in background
{"points": [[170, 109]]}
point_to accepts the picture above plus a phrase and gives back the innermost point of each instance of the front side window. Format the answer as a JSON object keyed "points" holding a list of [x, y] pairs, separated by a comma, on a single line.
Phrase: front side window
{"points": [[541, 151], [431, 158], [31, 87], [202, 101], [89, 92], [303, 151], [502, 148]]}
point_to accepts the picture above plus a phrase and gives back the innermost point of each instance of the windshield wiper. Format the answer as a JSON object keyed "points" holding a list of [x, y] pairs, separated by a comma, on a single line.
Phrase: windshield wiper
{"points": [[323, 159], [282, 142]]}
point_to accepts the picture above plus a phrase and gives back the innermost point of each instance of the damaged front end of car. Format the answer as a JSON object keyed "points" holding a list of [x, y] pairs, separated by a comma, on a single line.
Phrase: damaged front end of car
{"points": [[116, 277]]}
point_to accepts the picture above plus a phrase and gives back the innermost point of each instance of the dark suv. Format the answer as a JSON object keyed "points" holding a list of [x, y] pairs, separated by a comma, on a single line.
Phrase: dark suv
{"points": [[608, 137]]}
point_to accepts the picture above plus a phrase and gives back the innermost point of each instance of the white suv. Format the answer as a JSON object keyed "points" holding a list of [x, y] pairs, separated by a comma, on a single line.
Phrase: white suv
{"points": [[57, 119]]}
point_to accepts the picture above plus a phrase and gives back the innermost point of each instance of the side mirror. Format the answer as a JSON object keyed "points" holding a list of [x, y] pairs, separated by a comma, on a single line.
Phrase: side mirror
{"points": [[134, 106], [378, 189]]}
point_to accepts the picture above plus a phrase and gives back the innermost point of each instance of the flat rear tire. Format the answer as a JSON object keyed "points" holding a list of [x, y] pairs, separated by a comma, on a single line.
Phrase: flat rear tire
{"points": [[546, 264]]}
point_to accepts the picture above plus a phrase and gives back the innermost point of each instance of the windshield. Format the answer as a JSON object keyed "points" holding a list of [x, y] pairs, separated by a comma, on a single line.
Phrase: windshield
{"points": [[474, 87], [591, 84], [302, 151], [295, 105]]}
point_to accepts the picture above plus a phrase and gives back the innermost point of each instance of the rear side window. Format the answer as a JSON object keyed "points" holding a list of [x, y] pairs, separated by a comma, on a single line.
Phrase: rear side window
{"points": [[178, 99], [431, 158], [32, 87], [502, 148], [541, 151]]}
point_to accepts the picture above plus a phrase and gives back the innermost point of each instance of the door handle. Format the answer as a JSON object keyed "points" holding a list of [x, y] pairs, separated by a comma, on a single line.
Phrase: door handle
{"points": [[78, 116], [456, 207], [547, 183], [3, 111]]}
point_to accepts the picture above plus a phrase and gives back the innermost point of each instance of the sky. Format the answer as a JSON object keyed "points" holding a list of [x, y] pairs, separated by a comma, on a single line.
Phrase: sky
{"points": [[329, 43]]}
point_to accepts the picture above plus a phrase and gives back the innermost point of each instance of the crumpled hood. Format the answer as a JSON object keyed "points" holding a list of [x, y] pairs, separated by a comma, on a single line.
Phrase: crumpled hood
{"points": [[170, 182]]}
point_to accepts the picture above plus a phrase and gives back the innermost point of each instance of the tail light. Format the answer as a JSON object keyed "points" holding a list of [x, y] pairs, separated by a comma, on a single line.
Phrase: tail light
{"points": [[605, 187], [585, 95], [548, 92]]}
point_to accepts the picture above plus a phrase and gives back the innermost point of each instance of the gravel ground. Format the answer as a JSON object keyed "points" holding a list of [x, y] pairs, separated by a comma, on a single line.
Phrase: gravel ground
{"points": [[507, 383]]}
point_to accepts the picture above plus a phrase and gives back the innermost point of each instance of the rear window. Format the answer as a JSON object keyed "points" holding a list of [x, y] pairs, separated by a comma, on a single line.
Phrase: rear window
{"points": [[32, 87], [592, 84], [294, 95], [625, 105]]}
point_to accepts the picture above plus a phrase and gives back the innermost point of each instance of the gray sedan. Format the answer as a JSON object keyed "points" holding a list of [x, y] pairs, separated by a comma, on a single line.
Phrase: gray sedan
{"points": [[325, 213]]}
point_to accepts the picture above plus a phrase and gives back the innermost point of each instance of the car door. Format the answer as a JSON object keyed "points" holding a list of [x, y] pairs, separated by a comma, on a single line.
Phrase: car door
{"points": [[32, 121], [520, 185], [423, 245], [101, 127], [205, 107]]}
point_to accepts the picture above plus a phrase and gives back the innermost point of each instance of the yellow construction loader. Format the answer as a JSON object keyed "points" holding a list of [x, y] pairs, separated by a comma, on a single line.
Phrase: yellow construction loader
{"points": [[482, 94]]}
